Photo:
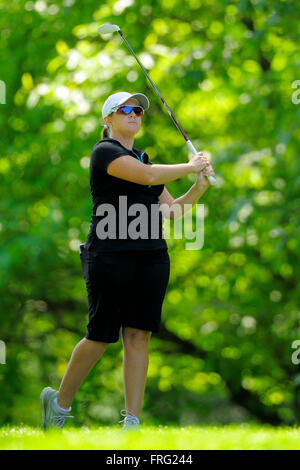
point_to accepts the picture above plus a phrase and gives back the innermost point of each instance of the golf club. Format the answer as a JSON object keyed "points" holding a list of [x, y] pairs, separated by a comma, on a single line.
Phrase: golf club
{"points": [[111, 28]]}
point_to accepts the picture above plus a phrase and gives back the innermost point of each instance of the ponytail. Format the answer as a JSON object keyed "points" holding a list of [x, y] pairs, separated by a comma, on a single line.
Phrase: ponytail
{"points": [[105, 132]]}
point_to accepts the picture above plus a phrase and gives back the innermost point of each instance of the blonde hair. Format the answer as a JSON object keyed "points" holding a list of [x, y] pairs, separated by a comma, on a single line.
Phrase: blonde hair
{"points": [[105, 132]]}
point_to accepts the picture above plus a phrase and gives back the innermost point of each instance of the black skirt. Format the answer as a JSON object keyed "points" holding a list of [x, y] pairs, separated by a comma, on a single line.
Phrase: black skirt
{"points": [[125, 288]]}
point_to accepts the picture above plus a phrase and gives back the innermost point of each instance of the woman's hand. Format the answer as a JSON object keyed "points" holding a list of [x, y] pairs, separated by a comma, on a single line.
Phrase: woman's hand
{"points": [[198, 162], [201, 182], [201, 165]]}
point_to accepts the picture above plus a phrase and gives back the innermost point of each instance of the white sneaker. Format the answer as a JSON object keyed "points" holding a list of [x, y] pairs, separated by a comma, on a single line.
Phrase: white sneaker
{"points": [[130, 421], [53, 415]]}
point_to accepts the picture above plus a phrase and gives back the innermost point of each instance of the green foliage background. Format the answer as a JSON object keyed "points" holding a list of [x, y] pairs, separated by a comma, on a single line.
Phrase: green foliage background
{"points": [[231, 312]]}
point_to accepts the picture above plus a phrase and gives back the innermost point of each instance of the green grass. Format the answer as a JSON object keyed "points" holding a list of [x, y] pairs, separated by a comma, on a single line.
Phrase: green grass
{"points": [[232, 436]]}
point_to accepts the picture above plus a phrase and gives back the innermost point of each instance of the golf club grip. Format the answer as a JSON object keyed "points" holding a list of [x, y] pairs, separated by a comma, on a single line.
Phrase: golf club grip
{"points": [[210, 178]]}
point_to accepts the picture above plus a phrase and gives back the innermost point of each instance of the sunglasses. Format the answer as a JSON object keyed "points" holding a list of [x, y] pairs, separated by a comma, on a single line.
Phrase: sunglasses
{"points": [[139, 111]]}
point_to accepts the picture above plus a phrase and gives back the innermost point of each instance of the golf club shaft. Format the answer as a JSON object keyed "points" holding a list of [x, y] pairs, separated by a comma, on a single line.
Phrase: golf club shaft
{"points": [[211, 179]]}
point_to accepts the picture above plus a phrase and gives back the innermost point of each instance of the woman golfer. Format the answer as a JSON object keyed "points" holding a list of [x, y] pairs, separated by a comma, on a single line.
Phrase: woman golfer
{"points": [[125, 260]]}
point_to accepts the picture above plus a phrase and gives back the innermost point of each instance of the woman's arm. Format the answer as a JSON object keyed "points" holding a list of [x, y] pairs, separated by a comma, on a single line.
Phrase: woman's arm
{"points": [[190, 197], [130, 169], [161, 174]]}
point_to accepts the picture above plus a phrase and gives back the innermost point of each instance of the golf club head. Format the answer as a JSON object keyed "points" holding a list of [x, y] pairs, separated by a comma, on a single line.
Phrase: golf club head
{"points": [[108, 28]]}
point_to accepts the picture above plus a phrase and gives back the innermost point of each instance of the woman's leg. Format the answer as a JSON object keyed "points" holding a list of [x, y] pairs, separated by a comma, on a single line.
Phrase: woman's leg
{"points": [[84, 356], [135, 366]]}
